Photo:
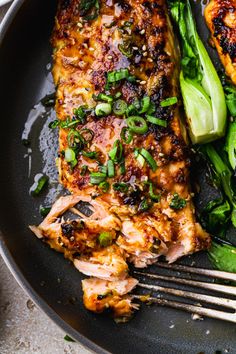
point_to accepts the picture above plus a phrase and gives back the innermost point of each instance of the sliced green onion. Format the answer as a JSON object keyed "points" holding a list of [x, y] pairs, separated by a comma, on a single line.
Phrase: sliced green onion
{"points": [[140, 160], [90, 154], [151, 109], [54, 124], [137, 124], [126, 135], [114, 76], [177, 202], [144, 205], [110, 169], [120, 186], [84, 170], [105, 239], [103, 109], [157, 121], [117, 95], [68, 338], [122, 168], [104, 186], [69, 123], [49, 100], [40, 182], [126, 50], [169, 101], [103, 97], [103, 169], [131, 109], [69, 155], [148, 157], [145, 103], [153, 196], [117, 152], [80, 113], [97, 177], [75, 139], [44, 210], [119, 107]]}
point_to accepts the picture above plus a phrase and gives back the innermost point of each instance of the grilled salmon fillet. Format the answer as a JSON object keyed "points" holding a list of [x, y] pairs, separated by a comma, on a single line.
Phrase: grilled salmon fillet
{"points": [[220, 17], [122, 145]]}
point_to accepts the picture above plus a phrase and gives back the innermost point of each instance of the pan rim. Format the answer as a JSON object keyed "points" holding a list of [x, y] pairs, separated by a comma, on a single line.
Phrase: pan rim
{"points": [[6, 254]]}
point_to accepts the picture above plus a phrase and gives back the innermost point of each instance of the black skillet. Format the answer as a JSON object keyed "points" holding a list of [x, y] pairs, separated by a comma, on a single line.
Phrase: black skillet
{"points": [[51, 281]]}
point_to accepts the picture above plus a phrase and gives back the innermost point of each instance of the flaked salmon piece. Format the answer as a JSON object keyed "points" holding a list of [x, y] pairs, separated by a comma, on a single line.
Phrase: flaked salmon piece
{"points": [[79, 234], [100, 295], [139, 189], [220, 17], [108, 264]]}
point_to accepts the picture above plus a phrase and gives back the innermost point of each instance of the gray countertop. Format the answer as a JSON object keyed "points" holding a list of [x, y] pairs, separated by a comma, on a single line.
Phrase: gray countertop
{"points": [[25, 329]]}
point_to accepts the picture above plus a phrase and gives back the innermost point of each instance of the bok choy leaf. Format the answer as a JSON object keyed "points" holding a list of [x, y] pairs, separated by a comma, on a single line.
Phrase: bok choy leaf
{"points": [[202, 92]]}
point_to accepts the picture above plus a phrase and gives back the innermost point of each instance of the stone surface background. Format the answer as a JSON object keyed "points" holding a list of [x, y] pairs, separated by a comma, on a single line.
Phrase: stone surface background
{"points": [[25, 329]]}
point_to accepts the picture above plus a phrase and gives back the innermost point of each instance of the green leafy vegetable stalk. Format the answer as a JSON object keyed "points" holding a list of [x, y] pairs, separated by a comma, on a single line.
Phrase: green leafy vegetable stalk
{"points": [[202, 92], [224, 175]]}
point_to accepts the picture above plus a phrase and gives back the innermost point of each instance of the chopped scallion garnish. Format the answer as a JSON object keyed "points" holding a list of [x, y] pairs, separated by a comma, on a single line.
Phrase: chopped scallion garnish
{"points": [[153, 196], [69, 155], [145, 103], [137, 124], [44, 211], [157, 121], [104, 186], [116, 153], [103, 109], [148, 157], [105, 239], [40, 183], [90, 154], [97, 177], [103, 97], [120, 186], [169, 101], [110, 169], [126, 135], [119, 107]]}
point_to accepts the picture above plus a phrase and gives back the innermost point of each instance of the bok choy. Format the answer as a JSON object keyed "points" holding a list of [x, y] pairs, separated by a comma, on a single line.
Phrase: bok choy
{"points": [[202, 92]]}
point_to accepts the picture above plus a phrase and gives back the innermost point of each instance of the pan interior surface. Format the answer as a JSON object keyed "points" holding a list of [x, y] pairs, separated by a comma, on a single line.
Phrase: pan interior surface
{"points": [[25, 56]]}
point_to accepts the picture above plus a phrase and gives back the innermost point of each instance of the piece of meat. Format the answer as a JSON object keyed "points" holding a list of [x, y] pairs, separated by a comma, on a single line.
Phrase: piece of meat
{"points": [[100, 295], [220, 17], [153, 213], [108, 264]]}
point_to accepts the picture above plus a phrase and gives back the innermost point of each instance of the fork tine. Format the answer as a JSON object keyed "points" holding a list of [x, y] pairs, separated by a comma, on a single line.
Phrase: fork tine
{"points": [[231, 290], [202, 311], [208, 272], [195, 296]]}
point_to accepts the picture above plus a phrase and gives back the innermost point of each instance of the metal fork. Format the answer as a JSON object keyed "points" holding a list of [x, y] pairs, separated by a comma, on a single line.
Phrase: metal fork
{"points": [[198, 309]]}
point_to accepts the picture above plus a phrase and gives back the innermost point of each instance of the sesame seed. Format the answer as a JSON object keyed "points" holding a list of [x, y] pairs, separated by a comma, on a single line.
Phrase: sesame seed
{"points": [[85, 45], [161, 154], [91, 49], [150, 60], [144, 48], [143, 82], [79, 24], [145, 54], [72, 238], [135, 48], [152, 148], [109, 57], [81, 52], [142, 31]]}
